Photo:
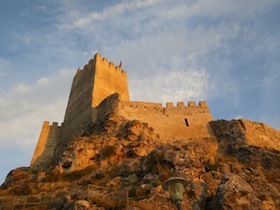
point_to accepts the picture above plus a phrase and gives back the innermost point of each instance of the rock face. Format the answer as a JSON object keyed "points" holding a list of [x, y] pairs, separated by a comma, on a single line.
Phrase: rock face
{"points": [[226, 171], [253, 181], [248, 132]]}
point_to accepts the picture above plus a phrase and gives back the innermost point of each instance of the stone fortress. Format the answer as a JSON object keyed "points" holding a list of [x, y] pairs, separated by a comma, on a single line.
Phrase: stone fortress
{"points": [[91, 88]]}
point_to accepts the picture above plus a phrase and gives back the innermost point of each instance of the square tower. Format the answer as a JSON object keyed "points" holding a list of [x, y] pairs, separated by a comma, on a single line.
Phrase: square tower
{"points": [[98, 80]]}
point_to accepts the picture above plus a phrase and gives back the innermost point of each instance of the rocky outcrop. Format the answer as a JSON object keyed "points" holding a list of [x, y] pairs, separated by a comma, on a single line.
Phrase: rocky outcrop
{"points": [[226, 171], [252, 166], [247, 132]]}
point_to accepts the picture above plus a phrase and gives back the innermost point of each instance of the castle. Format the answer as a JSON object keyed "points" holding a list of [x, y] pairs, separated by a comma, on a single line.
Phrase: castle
{"points": [[98, 80]]}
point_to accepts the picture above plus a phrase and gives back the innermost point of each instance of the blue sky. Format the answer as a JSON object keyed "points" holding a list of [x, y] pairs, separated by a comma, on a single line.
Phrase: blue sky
{"points": [[225, 52]]}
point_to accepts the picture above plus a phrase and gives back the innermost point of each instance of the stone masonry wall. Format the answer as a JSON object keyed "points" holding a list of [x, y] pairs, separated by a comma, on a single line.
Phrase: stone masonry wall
{"points": [[108, 79], [40, 147], [46, 145], [78, 112], [172, 122]]}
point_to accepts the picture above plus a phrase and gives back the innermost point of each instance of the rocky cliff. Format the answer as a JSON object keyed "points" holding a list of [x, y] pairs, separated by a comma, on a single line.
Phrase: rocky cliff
{"points": [[237, 168]]}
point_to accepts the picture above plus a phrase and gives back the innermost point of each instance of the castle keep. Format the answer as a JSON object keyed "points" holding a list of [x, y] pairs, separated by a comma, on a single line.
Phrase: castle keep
{"points": [[98, 80]]}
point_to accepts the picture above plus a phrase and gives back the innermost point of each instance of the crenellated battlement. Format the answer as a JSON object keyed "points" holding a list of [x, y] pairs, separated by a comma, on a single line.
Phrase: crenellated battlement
{"points": [[181, 104], [53, 124], [141, 106], [108, 65], [203, 104], [78, 71], [56, 124], [147, 106], [99, 60], [157, 107]]}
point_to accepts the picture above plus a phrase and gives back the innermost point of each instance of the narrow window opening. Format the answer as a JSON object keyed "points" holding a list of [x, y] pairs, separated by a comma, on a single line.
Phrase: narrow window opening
{"points": [[186, 121]]}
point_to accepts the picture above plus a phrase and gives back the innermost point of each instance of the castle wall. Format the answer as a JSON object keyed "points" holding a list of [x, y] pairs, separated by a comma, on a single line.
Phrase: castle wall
{"points": [[108, 79], [46, 145], [172, 122], [78, 112]]}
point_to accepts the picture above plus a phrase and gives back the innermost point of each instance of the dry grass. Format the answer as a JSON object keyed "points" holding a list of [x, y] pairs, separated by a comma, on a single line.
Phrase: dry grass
{"points": [[159, 166], [69, 176], [108, 202], [144, 206], [25, 188], [220, 158]]}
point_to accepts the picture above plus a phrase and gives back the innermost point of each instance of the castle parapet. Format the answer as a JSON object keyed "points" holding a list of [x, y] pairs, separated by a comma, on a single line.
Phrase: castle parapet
{"points": [[133, 106], [47, 124], [169, 105], [191, 104], [78, 71], [97, 56], [105, 60], [180, 104], [203, 104], [141, 106], [109, 65], [181, 108], [55, 125]]}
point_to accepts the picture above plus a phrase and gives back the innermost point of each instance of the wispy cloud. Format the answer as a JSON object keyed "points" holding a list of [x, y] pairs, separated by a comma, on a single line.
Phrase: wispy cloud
{"points": [[172, 50], [26, 106], [112, 12], [171, 86]]}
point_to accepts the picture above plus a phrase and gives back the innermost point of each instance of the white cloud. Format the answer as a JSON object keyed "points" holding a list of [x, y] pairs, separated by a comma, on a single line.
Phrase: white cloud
{"points": [[43, 81], [112, 11], [171, 86], [237, 8], [159, 38], [24, 108], [172, 51], [21, 88]]}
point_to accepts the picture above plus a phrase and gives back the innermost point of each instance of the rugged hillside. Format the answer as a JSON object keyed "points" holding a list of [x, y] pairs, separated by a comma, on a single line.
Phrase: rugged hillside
{"points": [[237, 168]]}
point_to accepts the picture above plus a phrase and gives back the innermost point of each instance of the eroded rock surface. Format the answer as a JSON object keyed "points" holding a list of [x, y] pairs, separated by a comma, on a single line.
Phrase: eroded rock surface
{"points": [[225, 171]]}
